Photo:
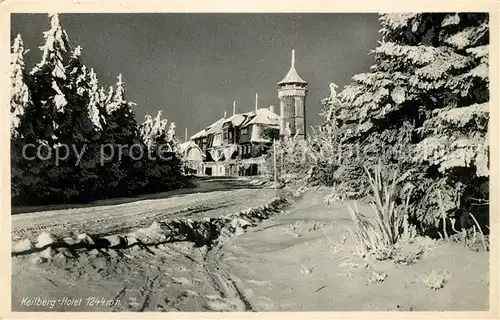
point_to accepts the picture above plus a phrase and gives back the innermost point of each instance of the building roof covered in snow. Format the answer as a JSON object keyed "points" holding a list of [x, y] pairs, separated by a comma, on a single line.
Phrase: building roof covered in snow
{"points": [[186, 145], [190, 151], [236, 119], [248, 117], [216, 127], [264, 116]]}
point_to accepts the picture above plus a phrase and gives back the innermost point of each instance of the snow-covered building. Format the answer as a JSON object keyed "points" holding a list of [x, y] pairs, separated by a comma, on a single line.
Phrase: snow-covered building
{"points": [[238, 145], [192, 158], [232, 143], [210, 141]]}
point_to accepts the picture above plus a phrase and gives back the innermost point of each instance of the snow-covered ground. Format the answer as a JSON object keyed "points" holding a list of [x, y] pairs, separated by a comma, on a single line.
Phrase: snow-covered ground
{"points": [[300, 260], [211, 198]]}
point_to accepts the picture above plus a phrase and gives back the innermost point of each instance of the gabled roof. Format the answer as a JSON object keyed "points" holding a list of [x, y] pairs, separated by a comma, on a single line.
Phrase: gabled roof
{"points": [[264, 116], [236, 119], [248, 117], [183, 147], [216, 127], [292, 76]]}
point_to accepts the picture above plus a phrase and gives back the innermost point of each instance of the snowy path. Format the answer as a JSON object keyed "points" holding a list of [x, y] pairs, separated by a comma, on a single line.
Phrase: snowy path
{"points": [[210, 199]]}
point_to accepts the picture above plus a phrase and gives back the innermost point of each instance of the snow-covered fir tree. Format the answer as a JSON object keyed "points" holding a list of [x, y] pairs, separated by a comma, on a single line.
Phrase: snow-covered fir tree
{"points": [[37, 179], [76, 118], [424, 106], [121, 131], [76, 129], [96, 106], [157, 131], [121, 123], [162, 169], [20, 96], [49, 79], [19, 105], [60, 103], [77, 72]]}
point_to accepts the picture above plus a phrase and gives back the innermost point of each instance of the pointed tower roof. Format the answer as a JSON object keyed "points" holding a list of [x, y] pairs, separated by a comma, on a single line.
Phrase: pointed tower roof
{"points": [[292, 75]]}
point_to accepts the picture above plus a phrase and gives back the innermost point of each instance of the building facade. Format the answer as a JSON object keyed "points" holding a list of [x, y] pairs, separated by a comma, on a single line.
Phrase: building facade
{"points": [[238, 145], [192, 158]]}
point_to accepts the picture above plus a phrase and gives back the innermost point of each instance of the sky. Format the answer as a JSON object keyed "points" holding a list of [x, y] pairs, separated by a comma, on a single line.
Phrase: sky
{"points": [[194, 65]]}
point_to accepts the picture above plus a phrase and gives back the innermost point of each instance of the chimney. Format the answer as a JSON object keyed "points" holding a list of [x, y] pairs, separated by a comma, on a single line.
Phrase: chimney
{"points": [[225, 114], [186, 134], [271, 108], [256, 101], [234, 108]]}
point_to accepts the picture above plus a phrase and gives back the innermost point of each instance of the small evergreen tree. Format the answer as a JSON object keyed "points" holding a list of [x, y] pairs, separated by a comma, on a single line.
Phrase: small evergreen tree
{"points": [[96, 106], [163, 166], [122, 124], [118, 135], [157, 131], [77, 131]]}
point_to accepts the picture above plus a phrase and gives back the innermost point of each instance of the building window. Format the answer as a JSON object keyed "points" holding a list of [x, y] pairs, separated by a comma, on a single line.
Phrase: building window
{"points": [[244, 131]]}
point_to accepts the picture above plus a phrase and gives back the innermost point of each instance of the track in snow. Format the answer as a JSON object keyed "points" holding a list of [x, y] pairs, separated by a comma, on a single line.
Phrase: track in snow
{"points": [[219, 200]]}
